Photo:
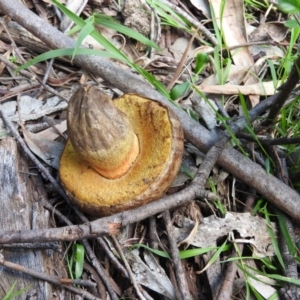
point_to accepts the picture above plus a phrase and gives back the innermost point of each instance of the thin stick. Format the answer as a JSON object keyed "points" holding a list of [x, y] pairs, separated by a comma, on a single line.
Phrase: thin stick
{"points": [[90, 253], [47, 277], [180, 274], [133, 281], [32, 77]]}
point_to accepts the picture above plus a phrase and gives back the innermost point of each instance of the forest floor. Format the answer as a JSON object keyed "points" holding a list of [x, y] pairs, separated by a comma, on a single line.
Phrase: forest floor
{"points": [[227, 226]]}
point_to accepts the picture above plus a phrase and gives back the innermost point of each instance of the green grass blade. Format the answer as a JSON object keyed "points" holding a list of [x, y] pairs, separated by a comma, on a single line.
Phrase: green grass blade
{"points": [[179, 90], [111, 23], [284, 231], [273, 238], [195, 252], [186, 170], [157, 84], [216, 255], [11, 294], [84, 32], [250, 274], [95, 34], [183, 253], [157, 252], [289, 6], [272, 276], [65, 52], [201, 61], [273, 73], [244, 107], [169, 16], [79, 253], [114, 52], [227, 70]]}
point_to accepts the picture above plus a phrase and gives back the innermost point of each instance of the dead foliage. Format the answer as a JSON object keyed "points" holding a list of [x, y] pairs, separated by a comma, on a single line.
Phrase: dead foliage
{"points": [[217, 225]]}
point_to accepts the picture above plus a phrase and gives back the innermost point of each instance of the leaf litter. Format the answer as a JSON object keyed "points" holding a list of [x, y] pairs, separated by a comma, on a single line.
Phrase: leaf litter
{"points": [[242, 78]]}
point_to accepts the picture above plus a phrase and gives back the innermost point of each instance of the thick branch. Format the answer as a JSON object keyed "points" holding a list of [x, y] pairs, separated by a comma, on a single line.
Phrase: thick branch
{"points": [[103, 226], [234, 162]]}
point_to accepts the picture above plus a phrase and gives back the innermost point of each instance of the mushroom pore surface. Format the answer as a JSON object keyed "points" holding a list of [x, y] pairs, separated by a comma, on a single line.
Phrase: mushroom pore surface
{"points": [[160, 139]]}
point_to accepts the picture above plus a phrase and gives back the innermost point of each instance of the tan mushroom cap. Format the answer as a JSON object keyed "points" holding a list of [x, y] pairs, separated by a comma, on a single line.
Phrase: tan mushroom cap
{"points": [[101, 133], [160, 139]]}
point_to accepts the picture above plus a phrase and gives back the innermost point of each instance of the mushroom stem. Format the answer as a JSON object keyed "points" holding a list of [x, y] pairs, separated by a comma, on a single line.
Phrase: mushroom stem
{"points": [[101, 133]]}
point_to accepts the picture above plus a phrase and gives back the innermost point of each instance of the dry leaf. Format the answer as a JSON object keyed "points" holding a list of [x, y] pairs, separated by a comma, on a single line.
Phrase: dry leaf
{"points": [[260, 88], [33, 109], [203, 6], [76, 6], [51, 134], [275, 31], [150, 273], [179, 46], [251, 229], [48, 151], [233, 24]]}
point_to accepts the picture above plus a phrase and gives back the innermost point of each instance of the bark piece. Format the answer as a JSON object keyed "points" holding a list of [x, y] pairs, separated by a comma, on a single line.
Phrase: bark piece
{"points": [[21, 209]]}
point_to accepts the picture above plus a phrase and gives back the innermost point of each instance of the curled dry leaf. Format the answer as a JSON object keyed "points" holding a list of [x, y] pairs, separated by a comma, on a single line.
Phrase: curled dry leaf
{"points": [[274, 31]]}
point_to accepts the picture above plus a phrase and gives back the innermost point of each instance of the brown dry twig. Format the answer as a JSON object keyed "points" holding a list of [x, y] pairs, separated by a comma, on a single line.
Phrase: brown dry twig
{"points": [[49, 278], [131, 276], [179, 271], [231, 160], [93, 259], [90, 253], [31, 77], [270, 141]]}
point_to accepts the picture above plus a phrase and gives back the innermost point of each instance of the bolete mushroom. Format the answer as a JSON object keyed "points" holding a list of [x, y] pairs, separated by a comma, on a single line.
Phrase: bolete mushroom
{"points": [[120, 154]]}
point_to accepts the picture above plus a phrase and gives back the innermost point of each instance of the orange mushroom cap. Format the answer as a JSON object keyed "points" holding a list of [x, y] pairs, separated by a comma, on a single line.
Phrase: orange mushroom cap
{"points": [[153, 142]]}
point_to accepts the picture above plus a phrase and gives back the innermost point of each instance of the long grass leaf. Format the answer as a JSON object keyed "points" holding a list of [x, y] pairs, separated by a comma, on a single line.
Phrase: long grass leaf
{"points": [[284, 231], [214, 257], [84, 32], [111, 23], [113, 51], [79, 253], [273, 238], [69, 13], [65, 52]]}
